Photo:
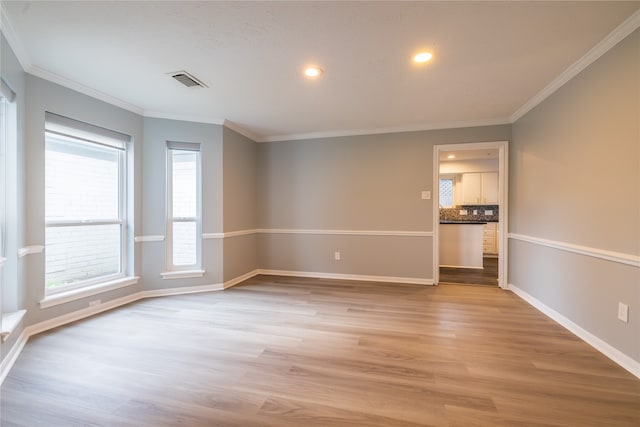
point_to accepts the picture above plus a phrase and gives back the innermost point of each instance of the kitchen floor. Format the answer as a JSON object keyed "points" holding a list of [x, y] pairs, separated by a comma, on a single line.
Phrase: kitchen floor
{"points": [[472, 276]]}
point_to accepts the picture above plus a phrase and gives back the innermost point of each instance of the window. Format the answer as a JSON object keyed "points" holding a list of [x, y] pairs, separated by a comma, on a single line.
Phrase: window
{"points": [[183, 206], [85, 237], [8, 200], [446, 192]]}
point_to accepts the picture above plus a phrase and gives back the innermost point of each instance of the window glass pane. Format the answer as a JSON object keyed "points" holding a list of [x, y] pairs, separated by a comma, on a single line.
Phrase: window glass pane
{"points": [[82, 180], [446, 193], [184, 182], [184, 243], [78, 253]]}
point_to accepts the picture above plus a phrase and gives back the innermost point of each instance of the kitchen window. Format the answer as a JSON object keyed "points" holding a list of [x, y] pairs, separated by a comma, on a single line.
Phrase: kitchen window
{"points": [[446, 192], [183, 210], [85, 198]]}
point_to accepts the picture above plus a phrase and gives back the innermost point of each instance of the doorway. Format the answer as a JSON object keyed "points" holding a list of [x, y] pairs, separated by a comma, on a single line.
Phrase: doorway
{"points": [[470, 213]]}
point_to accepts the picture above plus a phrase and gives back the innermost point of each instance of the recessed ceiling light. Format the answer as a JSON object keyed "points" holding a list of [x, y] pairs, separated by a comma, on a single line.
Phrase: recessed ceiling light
{"points": [[313, 72], [423, 57], [451, 156]]}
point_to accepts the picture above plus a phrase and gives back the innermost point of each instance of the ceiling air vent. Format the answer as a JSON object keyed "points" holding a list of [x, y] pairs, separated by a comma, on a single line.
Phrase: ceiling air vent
{"points": [[187, 79]]}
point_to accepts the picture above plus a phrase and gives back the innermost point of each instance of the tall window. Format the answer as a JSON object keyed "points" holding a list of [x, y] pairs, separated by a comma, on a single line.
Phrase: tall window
{"points": [[183, 206], [85, 237], [8, 190]]}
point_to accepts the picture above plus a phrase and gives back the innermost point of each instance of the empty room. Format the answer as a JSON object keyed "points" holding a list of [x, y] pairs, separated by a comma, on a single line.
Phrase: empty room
{"points": [[341, 213]]}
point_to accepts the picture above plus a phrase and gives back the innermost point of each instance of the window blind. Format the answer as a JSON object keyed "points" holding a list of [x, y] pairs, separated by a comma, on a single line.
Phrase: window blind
{"points": [[64, 126]]}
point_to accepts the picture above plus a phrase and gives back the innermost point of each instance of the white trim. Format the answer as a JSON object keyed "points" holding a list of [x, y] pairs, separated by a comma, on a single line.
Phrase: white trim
{"points": [[183, 118], [10, 322], [503, 202], [30, 250], [619, 257], [12, 38], [182, 274], [80, 88], [154, 238], [244, 132], [348, 232], [378, 131], [240, 279], [182, 291], [87, 291], [612, 39], [206, 236], [317, 232], [12, 355], [612, 353], [364, 278]]}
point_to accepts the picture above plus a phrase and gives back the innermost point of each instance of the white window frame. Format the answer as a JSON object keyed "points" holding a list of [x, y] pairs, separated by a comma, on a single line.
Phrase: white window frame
{"points": [[193, 270], [8, 212], [75, 131]]}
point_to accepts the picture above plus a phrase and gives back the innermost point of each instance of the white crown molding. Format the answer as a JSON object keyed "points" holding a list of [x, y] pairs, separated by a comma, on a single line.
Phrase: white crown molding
{"points": [[379, 131], [603, 347], [85, 90], [12, 38], [183, 118], [242, 131], [612, 39], [622, 31], [619, 257]]}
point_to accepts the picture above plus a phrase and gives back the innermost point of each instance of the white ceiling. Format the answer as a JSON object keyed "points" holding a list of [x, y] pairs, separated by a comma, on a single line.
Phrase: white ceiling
{"points": [[491, 59]]}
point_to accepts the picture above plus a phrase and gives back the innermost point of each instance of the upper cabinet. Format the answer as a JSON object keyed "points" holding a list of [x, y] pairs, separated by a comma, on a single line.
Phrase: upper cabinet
{"points": [[480, 188]]}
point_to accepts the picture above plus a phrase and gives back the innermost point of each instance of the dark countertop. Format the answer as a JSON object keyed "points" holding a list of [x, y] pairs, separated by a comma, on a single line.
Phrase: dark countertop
{"points": [[463, 222]]}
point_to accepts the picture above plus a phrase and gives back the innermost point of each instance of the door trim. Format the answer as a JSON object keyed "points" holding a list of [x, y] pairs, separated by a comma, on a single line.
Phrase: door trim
{"points": [[503, 193]]}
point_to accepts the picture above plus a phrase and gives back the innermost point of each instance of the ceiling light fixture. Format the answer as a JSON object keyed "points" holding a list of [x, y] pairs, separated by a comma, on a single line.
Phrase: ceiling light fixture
{"points": [[451, 156], [422, 57], [313, 72]]}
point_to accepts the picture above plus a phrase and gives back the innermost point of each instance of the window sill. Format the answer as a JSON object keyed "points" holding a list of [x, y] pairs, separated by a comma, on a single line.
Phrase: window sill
{"points": [[10, 322], [76, 294], [186, 274]]}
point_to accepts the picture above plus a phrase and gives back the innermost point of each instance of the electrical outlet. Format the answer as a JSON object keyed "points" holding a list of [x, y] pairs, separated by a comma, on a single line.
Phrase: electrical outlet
{"points": [[623, 312], [488, 212], [475, 211], [463, 211], [336, 255], [426, 195], [94, 302]]}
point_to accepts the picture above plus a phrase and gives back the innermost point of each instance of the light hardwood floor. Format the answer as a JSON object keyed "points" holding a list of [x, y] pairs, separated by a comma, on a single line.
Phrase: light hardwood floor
{"points": [[278, 351]]}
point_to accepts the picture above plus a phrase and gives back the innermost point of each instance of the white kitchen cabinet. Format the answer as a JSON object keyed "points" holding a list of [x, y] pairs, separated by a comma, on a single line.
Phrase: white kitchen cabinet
{"points": [[490, 238], [480, 188]]}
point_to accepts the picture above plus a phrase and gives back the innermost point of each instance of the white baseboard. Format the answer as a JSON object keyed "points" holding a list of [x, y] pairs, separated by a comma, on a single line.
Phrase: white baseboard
{"points": [[240, 279], [612, 353], [365, 278], [12, 356], [182, 291]]}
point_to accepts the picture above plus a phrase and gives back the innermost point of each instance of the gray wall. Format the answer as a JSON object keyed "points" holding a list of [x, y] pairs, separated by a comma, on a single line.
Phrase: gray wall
{"points": [[44, 96], [156, 134], [361, 183], [240, 205], [574, 178]]}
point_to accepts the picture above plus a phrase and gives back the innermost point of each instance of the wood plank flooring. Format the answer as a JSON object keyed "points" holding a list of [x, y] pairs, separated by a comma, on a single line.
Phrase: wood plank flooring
{"points": [[488, 275], [277, 351]]}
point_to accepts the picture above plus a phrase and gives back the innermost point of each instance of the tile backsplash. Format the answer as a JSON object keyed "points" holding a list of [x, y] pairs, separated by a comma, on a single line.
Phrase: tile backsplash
{"points": [[453, 214]]}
